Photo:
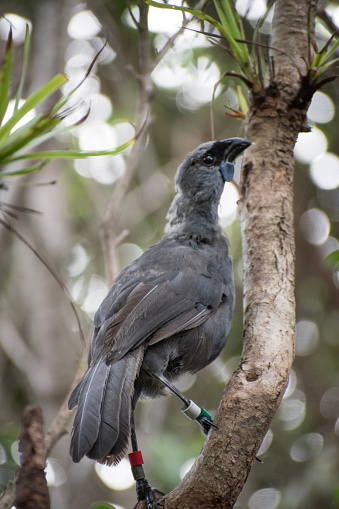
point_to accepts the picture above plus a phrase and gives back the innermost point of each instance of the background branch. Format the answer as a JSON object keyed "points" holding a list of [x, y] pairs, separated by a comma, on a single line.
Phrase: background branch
{"points": [[30, 485]]}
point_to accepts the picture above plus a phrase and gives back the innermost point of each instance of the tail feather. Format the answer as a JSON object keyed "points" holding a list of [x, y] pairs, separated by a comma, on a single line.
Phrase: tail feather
{"points": [[102, 423], [132, 369], [87, 419], [109, 429]]}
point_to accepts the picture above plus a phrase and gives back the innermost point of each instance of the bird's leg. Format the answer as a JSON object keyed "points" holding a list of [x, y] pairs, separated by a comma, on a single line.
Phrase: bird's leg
{"points": [[143, 489], [190, 409]]}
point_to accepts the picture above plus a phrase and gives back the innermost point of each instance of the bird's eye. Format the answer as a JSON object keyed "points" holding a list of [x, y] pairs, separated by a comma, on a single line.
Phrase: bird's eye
{"points": [[208, 159]]}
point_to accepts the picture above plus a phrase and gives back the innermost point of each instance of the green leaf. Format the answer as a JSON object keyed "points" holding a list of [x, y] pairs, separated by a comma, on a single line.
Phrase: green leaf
{"points": [[25, 171], [27, 46], [26, 134], [18, 143], [5, 76], [336, 495], [69, 154], [64, 100], [45, 136], [102, 505], [332, 260], [242, 100], [33, 100], [233, 30]]}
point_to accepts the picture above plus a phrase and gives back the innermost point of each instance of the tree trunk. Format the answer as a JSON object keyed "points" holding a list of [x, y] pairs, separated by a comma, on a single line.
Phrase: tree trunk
{"points": [[253, 395]]}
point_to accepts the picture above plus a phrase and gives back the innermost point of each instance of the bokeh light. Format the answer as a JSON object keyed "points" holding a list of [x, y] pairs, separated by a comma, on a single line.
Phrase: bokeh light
{"points": [[24, 120], [306, 447], [78, 261], [292, 384], [310, 145], [3, 455], [307, 337], [105, 169], [164, 21], [228, 207], [83, 25], [266, 443], [251, 9], [15, 451], [186, 467], [18, 24], [315, 226], [89, 293], [324, 171], [128, 253], [292, 410], [321, 109], [329, 403], [96, 136], [55, 473], [266, 498], [116, 477]]}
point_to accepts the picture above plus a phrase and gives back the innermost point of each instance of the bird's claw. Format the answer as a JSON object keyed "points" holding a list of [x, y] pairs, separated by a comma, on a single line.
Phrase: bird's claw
{"points": [[145, 492], [206, 424]]}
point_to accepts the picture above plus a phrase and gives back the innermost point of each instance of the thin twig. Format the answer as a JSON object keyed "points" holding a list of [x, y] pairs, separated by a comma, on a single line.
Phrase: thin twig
{"points": [[110, 223], [146, 64], [328, 20], [7, 499], [171, 41], [10, 228]]}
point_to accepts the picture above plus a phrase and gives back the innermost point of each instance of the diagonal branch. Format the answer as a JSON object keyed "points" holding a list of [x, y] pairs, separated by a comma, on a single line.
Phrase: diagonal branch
{"points": [[254, 392]]}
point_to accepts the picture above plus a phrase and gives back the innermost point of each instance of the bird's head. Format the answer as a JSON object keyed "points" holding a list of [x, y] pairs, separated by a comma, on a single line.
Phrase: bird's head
{"points": [[209, 166]]}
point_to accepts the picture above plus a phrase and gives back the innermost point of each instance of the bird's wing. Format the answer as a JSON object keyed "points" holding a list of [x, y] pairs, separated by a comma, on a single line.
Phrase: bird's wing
{"points": [[158, 309]]}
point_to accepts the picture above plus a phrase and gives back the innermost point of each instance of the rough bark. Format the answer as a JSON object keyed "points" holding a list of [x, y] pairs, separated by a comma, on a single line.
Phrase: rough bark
{"points": [[31, 486], [252, 396]]}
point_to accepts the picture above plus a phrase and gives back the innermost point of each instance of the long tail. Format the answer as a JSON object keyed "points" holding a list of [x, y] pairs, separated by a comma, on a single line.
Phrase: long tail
{"points": [[104, 396]]}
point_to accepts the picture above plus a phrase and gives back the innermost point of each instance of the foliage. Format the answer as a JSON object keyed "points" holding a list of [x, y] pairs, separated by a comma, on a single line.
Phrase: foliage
{"points": [[19, 138]]}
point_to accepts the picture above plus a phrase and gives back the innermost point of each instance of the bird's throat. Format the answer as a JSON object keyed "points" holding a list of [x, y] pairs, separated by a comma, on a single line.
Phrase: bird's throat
{"points": [[198, 220]]}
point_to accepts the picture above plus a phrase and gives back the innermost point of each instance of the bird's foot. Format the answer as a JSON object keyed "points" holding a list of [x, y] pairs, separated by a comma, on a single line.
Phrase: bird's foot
{"points": [[143, 489], [206, 423], [145, 492]]}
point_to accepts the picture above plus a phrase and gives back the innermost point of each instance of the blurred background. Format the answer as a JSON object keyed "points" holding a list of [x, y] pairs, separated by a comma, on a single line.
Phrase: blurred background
{"points": [[40, 345]]}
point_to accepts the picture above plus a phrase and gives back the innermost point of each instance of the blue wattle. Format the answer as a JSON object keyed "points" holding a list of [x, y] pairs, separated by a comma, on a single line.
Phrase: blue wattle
{"points": [[227, 170]]}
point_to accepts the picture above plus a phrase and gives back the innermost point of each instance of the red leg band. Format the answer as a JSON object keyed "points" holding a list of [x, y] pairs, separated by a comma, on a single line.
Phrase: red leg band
{"points": [[135, 458]]}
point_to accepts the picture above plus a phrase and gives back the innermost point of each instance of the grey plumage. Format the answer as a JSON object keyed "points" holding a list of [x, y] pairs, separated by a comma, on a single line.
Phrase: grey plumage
{"points": [[167, 313]]}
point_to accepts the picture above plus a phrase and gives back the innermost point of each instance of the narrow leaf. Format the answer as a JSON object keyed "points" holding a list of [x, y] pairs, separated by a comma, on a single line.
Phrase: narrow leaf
{"points": [[25, 171], [64, 100], [27, 46], [5, 76], [69, 154], [33, 100], [14, 143]]}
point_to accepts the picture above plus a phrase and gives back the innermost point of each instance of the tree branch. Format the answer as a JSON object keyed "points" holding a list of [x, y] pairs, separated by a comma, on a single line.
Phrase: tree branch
{"points": [[254, 392], [31, 486], [110, 227]]}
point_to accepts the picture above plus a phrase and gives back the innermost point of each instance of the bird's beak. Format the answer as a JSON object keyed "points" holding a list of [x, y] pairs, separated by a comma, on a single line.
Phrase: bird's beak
{"points": [[237, 146]]}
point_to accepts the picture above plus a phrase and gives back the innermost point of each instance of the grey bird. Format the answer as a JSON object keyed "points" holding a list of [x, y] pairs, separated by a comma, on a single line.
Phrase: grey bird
{"points": [[168, 313]]}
